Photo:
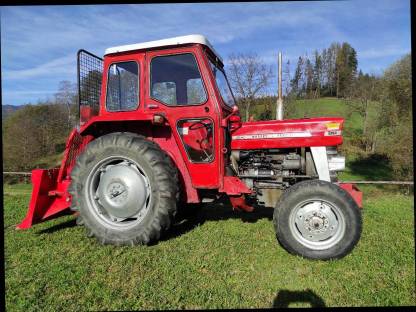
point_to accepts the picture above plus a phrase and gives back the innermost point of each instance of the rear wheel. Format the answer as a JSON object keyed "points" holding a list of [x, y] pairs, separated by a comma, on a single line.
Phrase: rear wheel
{"points": [[317, 220], [125, 189]]}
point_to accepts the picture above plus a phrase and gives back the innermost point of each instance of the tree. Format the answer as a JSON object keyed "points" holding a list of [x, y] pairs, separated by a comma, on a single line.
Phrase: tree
{"points": [[395, 137], [32, 133], [286, 78], [345, 68], [248, 76], [67, 96], [398, 85], [330, 60], [363, 92], [317, 74], [309, 78], [297, 78]]}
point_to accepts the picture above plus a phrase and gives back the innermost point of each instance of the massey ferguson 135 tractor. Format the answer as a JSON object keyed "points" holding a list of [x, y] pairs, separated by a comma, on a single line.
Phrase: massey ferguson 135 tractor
{"points": [[159, 128]]}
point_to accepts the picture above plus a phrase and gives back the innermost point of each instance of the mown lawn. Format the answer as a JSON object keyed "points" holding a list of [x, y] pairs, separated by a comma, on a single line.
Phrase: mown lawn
{"points": [[214, 259]]}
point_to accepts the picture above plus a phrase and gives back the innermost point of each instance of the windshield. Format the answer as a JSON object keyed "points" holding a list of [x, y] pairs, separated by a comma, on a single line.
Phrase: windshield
{"points": [[222, 84]]}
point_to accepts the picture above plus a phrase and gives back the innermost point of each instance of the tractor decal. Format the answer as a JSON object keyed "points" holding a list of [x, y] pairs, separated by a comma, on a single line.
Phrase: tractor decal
{"points": [[272, 136]]}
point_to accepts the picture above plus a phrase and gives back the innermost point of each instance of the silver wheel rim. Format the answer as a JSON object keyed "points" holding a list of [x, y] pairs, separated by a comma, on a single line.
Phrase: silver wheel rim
{"points": [[317, 224], [118, 191]]}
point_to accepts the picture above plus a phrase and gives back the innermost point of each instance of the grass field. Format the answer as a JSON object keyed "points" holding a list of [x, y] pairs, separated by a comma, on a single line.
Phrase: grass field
{"points": [[214, 259]]}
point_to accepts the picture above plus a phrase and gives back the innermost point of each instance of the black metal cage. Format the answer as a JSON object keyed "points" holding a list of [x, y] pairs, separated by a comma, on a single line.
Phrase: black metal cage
{"points": [[90, 70]]}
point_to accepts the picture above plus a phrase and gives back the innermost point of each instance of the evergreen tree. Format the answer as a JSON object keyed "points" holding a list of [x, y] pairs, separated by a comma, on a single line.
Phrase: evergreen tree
{"points": [[309, 78], [296, 81], [317, 74]]}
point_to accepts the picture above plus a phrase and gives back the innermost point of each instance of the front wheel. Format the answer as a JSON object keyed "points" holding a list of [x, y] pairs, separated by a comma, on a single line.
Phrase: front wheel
{"points": [[317, 220]]}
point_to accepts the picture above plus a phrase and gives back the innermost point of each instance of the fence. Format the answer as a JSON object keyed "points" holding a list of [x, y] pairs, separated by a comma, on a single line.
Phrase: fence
{"points": [[22, 176], [27, 174]]}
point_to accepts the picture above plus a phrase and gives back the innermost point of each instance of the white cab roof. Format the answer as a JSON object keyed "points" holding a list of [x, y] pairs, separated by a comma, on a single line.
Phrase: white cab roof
{"points": [[164, 42]]}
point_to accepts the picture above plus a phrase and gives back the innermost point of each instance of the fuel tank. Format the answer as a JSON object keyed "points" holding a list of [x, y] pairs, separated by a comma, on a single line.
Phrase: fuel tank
{"points": [[289, 133]]}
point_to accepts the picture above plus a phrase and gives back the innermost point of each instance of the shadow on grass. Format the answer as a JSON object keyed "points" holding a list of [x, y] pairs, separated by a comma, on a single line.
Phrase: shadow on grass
{"points": [[60, 226], [374, 167], [188, 218], [285, 297], [191, 216]]}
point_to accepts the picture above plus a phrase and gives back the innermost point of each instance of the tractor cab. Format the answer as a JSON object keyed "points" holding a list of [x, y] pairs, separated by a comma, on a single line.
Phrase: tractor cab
{"points": [[175, 72], [178, 82]]}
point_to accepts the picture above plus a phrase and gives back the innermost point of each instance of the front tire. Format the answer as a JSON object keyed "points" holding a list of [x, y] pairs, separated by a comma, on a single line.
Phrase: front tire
{"points": [[125, 189], [317, 220]]}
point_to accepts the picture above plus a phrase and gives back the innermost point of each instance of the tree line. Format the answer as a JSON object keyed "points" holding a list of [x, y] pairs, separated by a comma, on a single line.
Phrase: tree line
{"points": [[35, 135], [329, 72]]}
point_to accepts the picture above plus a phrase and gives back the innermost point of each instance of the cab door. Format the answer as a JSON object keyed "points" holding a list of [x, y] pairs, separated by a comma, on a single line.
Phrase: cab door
{"points": [[178, 88]]}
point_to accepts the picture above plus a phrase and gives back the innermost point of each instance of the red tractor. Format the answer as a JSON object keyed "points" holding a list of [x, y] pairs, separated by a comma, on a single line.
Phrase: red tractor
{"points": [[159, 129]]}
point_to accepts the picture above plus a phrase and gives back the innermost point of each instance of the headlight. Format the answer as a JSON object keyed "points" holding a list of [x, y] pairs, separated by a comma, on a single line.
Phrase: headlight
{"points": [[336, 163]]}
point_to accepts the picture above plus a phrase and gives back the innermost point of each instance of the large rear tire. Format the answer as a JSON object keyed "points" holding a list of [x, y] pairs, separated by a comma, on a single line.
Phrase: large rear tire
{"points": [[317, 220], [125, 189]]}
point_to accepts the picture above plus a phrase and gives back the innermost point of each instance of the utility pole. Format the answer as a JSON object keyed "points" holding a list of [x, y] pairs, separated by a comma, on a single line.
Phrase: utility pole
{"points": [[279, 104]]}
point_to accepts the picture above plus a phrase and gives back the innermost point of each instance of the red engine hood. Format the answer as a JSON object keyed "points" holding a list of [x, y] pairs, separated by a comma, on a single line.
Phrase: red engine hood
{"points": [[322, 131]]}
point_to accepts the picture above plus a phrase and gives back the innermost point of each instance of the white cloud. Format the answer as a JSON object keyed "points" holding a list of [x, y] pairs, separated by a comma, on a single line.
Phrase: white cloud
{"points": [[60, 66]]}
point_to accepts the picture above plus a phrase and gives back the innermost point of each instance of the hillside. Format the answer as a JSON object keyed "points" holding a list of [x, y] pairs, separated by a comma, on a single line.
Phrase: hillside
{"points": [[322, 107], [7, 110]]}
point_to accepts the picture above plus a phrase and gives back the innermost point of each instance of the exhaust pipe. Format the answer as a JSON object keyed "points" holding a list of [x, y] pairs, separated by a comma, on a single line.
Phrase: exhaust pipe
{"points": [[279, 104]]}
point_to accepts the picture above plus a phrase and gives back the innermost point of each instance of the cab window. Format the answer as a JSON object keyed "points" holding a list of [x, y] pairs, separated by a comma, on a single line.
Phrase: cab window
{"points": [[223, 85], [176, 80], [122, 86]]}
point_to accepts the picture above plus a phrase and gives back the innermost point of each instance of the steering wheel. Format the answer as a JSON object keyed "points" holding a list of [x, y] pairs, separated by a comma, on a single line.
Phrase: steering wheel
{"points": [[199, 124]]}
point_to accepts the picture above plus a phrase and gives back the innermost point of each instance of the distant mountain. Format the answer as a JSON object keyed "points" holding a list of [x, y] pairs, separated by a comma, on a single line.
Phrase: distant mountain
{"points": [[7, 110]]}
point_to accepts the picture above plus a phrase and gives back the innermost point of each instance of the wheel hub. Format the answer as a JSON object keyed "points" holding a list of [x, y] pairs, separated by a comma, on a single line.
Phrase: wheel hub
{"points": [[122, 190], [316, 224]]}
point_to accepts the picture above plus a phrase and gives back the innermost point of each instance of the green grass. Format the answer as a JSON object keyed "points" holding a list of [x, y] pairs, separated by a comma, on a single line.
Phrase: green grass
{"points": [[215, 259]]}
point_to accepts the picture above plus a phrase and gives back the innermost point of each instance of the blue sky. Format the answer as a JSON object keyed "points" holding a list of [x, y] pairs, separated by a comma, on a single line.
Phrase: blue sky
{"points": [[39, 43]]}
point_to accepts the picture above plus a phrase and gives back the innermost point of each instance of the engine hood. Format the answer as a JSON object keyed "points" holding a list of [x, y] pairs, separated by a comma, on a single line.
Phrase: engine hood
{"points": [[321, 131]]}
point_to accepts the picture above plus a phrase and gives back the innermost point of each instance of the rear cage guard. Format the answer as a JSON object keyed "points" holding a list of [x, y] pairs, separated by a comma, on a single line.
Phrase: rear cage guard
{"points": [[89, 77]]}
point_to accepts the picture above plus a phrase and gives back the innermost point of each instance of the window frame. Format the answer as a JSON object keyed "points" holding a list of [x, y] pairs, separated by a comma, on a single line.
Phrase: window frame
{"points": [[200, 73], [183, 143], [214, 62], [138, 86]]}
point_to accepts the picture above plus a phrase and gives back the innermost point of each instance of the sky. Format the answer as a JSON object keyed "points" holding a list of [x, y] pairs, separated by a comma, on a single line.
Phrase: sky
{"points": [[39, 43]]}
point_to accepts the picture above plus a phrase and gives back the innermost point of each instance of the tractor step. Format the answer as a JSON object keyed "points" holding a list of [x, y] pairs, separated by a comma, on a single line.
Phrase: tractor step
{"points": [[239, 203]]}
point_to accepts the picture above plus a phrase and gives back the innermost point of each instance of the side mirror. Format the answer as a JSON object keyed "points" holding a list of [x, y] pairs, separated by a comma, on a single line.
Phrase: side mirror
{"points": [[224, 122], [235, 110]]}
